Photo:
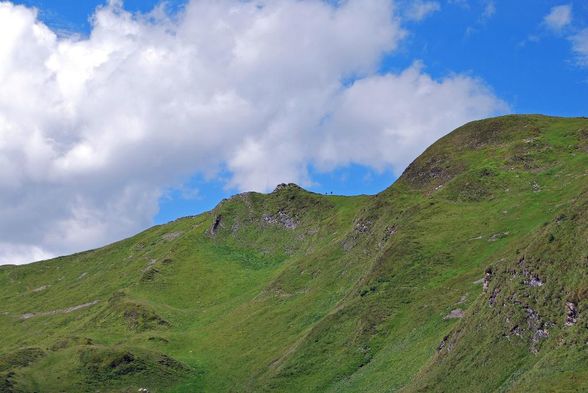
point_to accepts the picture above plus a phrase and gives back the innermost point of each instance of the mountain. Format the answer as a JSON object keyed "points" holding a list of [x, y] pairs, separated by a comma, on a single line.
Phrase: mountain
{"points": [[468, 274]]}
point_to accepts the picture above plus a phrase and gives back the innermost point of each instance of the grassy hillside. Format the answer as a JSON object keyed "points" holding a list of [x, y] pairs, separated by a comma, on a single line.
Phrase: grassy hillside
{"points": [[468, 274]]}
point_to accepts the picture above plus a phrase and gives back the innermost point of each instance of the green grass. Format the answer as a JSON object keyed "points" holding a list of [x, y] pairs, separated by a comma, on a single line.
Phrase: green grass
{"points": [[299, 292]]}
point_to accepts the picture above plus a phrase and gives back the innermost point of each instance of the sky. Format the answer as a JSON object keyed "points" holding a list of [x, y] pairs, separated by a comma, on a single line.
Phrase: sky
{"points": [[115, 116]]}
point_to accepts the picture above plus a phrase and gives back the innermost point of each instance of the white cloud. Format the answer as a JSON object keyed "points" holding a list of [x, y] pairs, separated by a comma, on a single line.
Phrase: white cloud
{"points": [[400, 128], [94, 130], [580, 46], [418, 9], [559, 17]]}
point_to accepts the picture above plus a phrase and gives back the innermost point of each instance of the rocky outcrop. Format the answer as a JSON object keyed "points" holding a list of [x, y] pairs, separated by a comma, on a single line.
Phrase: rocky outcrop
{"points": [[281, 218], [571, 313], [216, 225], [284, 186]]}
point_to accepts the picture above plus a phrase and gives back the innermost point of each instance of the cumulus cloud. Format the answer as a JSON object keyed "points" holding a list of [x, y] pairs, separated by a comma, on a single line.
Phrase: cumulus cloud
{"points": [[418, 9], [399, 128], [559, 17], [93, 130]]}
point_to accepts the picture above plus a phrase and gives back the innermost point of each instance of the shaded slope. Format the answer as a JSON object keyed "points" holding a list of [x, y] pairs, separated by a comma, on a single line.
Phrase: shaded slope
{"points": [[295, 291]]}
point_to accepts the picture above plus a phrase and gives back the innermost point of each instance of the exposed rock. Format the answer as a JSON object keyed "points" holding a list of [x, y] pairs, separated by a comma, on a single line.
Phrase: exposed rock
{"points": [[560, 218], [486, 279], [41, 288], [389, 232], [534, 282], [532, 317], [538, 336], [171, 236], [362, 226], [280, 218], [538, 328], [280, 186], [498, 236], [443, 343], [284, 186], [516, 331], [454, 314], [492, 300], [216, 224], [571, 313]]}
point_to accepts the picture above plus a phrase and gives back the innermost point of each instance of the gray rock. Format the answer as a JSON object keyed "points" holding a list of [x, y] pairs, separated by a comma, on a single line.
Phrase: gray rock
{"points": [[571, 313], [454, 314]]}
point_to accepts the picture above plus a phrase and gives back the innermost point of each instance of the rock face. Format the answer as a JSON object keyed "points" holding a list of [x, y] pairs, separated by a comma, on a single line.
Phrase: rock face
{"points": [[284, 186], [216, 225]]}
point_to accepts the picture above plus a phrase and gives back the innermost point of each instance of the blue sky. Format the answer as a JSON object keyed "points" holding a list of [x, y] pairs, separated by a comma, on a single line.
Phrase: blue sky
{"points": [[394, 83], [512, 51]]}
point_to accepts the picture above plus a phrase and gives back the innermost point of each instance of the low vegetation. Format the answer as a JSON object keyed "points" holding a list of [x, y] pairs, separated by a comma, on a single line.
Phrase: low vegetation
{"points": [[468, 274]]}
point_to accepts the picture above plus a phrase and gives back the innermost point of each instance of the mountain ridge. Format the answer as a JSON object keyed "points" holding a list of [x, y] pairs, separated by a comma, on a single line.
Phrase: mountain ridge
{"points": [[298, 291]]}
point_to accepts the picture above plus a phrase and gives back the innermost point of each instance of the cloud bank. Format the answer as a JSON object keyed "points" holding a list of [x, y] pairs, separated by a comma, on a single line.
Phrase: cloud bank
{"points": [[94, 129]]}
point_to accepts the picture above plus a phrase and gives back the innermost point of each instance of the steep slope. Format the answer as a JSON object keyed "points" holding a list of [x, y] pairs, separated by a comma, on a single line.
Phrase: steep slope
{"points": [[468, 274]]}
